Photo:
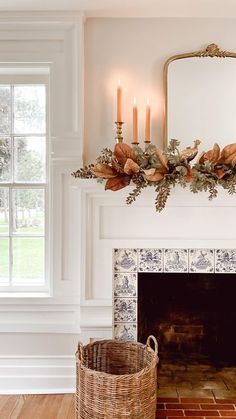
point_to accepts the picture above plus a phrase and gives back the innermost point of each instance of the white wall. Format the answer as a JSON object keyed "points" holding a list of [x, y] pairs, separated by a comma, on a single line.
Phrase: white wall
{"points": [[38, 337], [134, 50], [38, 334]]}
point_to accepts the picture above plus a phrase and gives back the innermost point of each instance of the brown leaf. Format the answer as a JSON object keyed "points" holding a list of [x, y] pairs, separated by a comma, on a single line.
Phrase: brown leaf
{"points": [[131, 167], [150, 171], [201, 158], [189, 175], [211, 155], [117, 183], [231, 159], [154, 177], [215, 153], [104, 171], [162, 158], [219, 173], [234, 161], [123, 152], [227, 152]]}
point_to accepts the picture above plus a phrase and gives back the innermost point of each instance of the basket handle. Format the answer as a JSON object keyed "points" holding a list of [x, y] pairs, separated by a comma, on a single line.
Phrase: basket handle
{"points": [[80, 351], [151, 337]]}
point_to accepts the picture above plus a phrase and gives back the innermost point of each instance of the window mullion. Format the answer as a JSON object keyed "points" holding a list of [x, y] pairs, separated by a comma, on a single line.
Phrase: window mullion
{"points": [[10, 234], [10, 191]]}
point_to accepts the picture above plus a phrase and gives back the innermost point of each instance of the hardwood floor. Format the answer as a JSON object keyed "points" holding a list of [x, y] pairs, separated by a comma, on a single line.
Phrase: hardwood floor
{"points": [[43, 406]]}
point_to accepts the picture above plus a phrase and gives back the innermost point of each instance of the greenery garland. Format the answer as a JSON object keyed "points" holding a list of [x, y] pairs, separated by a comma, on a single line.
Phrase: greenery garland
{"points": [[163, 170]]}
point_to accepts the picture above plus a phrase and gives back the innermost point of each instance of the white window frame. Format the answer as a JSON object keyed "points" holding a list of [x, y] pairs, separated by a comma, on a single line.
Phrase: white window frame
{"points": [[29, 75]]}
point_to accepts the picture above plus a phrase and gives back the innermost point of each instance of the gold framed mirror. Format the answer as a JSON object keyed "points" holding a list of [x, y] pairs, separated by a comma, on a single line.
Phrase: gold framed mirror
{"points": [[200, 97]]}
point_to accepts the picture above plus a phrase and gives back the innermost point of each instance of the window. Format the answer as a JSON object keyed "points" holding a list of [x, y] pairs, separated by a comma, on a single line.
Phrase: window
{"points": [[23, 186]]}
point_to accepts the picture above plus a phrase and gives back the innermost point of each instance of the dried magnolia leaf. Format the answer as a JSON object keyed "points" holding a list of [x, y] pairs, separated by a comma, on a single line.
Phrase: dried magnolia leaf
{"points": [[117, 183], [201, 158], [189, 174], [230, 159], [155, 177], [211, 155], [219, 173], [149, 172], [227, 152], [234, 160], [104, 171], [215, 153], [131, 167], [162, 158], [123, 152]]}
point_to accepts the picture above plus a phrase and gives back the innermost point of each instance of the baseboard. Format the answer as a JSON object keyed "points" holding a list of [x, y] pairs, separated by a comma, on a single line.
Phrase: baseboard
{"points": [[37, 375]]}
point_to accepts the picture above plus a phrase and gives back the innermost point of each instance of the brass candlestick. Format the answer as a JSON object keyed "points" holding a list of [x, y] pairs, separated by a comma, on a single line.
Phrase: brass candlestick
{"points": [[135, 143], [119, 136]]}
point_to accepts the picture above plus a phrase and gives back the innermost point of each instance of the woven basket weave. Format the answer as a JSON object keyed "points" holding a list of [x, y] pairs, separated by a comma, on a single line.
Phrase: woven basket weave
{"points": [[116, 380]]}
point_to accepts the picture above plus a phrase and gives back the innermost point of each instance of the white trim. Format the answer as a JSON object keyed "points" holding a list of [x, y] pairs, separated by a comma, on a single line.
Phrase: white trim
{"points": [[37, 374]]}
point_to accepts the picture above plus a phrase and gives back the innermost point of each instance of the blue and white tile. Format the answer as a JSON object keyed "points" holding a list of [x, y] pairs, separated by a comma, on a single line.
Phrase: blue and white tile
{"points": [[125, 260], [225, 261], [201, 260], [125, 285], [125, 310], [176, 260], [151, 260], [125, 331]]}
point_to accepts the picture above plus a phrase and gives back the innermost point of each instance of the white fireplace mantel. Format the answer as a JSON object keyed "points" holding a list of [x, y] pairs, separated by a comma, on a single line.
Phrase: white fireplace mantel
{"points": [[106, 222]]}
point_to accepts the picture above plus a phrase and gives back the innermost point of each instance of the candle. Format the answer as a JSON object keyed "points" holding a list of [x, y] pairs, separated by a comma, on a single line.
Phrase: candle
{"points": [[135, 122], [148, 123], [119, 102]]}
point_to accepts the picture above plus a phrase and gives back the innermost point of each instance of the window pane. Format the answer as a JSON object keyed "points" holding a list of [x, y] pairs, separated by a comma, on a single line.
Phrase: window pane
{"points": [[29, 109], [5, 159], [4, 261], [29, 159], [28, 211], [28, 260], [4, 211], [5, 110]]}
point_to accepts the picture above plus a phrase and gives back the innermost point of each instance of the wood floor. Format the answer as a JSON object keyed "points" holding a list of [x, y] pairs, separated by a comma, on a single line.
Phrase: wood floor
{"points": [[53, 406]]}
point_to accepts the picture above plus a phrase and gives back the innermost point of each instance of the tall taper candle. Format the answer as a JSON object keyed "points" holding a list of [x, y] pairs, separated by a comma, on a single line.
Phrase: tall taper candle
{"points": [[119, 103], [148, 123], [135, 122]]}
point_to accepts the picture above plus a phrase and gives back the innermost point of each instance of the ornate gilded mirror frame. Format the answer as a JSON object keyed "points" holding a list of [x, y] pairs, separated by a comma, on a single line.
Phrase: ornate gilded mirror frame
{"points": [[211, 50]]}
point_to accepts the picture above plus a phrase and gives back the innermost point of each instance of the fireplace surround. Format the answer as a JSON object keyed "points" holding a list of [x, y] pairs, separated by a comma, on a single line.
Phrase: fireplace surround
{"points": [[186, 289]]}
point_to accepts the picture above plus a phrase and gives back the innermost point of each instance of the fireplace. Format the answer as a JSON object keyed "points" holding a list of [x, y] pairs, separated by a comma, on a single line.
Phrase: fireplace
{"points": [[193, 316], [185, 297]]}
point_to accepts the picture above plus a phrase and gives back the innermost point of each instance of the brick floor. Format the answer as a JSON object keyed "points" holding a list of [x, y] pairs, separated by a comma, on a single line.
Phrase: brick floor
{"points": [[196, 407]]}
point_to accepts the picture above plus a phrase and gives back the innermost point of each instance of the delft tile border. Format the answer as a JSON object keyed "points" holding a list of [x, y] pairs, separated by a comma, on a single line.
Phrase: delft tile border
{"points": [[129, 262]]}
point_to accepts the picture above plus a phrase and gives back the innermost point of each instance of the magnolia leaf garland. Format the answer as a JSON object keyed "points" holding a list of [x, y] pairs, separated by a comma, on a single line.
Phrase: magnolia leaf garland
{"points": [[164, 170]]}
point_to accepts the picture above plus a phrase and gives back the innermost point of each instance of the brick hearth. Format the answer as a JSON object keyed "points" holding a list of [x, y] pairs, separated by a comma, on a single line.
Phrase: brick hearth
{"points": [[196, 407]]}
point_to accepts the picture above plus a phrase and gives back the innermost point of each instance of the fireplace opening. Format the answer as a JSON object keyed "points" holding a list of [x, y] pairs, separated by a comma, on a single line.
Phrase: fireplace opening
{"points": [[192, 315]]}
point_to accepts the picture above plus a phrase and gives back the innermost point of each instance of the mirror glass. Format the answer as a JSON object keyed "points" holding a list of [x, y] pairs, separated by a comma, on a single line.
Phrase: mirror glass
{"points": [[201, 101]]}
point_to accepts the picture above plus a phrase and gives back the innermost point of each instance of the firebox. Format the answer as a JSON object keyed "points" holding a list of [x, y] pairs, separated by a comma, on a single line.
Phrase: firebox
{"points": [[193, 316]]}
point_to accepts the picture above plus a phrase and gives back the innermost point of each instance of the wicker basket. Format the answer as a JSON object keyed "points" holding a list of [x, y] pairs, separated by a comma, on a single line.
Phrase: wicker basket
{"points": [[116, 380]]}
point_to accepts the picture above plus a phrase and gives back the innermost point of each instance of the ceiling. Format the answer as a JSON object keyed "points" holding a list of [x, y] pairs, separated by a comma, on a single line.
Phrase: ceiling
{"points": [[129, 8]]}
